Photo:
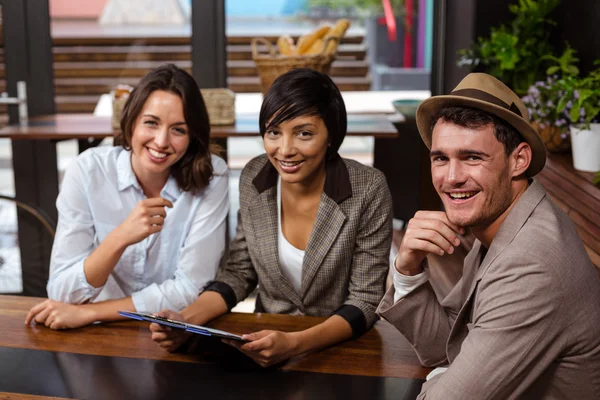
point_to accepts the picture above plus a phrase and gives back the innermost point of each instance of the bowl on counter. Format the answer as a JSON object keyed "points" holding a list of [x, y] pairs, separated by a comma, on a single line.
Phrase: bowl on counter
{"points": [[407, 107]]}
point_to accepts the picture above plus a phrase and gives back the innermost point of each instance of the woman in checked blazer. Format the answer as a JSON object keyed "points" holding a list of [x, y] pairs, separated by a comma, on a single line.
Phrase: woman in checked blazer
{"points": [[314, 230]]}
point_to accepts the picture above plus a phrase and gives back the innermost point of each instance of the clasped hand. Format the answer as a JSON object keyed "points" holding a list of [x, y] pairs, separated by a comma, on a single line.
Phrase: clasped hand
{"points": [[428, 232], [146, 218]]}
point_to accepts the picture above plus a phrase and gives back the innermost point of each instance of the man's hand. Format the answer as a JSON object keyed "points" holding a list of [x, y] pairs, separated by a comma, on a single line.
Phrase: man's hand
{"points": [[427, 232], [57, 315], [166, 337], [146, 218], [267, 347]]}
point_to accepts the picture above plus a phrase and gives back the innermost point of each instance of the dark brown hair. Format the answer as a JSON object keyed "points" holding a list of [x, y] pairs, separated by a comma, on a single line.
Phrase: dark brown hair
{"points": [[194, 170], [305, 92], [474, 119]]}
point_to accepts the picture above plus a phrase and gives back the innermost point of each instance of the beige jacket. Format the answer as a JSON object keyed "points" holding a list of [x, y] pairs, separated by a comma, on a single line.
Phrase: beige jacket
{"points": [[524, 320]]}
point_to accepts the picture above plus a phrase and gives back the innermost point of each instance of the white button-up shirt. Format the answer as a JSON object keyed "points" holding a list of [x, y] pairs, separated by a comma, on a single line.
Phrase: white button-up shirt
{"points": [[168, 269]]}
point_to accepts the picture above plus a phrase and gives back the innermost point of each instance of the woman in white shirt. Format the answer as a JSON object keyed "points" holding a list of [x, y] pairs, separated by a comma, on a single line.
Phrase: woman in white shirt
{"points": [[141, 226], [314, 229]]}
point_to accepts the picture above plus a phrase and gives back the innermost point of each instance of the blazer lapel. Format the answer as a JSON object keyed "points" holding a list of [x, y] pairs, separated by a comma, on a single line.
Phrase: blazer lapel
{"points": [[263, 211], [329, 222], [476, 267], [459, 330], [513, 223]]}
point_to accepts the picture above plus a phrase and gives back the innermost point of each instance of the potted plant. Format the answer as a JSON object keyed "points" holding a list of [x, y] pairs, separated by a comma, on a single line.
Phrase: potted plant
{"points": [[581, 98], [553, 127], [514, 53], [542, 99]]}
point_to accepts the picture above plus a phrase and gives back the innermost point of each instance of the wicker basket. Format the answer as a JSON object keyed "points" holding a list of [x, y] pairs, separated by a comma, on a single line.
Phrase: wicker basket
{"points": [[271, 65], [220, 104]]}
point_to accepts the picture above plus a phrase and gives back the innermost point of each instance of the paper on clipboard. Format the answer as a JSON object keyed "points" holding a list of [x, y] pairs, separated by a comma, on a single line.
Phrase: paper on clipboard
{"points": [[197, 329]]}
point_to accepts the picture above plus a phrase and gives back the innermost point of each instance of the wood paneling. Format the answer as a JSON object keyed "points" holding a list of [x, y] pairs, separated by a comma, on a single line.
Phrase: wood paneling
{"points": [[574, 192], [86, 67]]}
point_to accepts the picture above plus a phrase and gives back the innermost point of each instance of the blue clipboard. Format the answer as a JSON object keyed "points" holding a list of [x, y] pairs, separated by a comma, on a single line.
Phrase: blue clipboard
{"points": [[197, 329]]}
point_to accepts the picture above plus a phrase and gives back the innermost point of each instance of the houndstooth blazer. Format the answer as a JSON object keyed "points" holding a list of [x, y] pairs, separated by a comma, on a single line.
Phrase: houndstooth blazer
{"points": [[347, 256]]}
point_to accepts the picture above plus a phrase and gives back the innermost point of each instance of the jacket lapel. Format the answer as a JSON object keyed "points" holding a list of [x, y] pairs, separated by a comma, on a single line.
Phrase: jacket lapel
{"points": [[513, 223], [330, 220], [263, 211], [459, 330], [475, 267]]}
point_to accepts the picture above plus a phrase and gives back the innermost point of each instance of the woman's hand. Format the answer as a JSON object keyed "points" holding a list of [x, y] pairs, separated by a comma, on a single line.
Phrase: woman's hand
{"points": [[57, 315], [268, 347], [146, 218], [166, 337]]}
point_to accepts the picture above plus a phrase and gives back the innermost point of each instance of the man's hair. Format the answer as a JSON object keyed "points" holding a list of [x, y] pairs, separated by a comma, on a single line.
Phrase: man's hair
{"points": [[474, 119], [305, 92]]}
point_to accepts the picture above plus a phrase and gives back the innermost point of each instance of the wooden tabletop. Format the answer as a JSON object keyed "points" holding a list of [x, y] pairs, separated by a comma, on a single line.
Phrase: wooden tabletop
{"points": [[382, 352], [82, 126]]}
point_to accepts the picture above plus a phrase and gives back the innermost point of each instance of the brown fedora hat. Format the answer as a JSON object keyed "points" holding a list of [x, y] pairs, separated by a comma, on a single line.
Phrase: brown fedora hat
{"points": [[486, 93]]}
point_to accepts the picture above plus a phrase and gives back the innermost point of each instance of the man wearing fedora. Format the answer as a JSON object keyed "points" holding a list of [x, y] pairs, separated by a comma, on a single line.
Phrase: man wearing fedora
{"points": [[524, 320]]}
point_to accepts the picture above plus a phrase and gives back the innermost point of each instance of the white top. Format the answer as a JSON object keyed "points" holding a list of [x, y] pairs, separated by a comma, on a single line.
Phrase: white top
{"points": [[404, 284], [290, 258], [167, 269]]}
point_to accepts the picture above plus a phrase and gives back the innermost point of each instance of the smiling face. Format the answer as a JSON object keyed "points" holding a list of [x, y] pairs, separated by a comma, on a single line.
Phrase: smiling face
{"points": [[160, 136], [471, 173], [297, 149]]}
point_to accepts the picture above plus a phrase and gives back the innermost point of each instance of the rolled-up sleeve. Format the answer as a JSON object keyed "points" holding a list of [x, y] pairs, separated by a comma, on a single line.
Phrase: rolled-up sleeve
{"points": [[73, 242], [199, 257]]}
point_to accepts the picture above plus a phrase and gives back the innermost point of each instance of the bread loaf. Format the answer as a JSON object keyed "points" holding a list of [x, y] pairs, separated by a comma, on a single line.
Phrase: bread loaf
{"points": [[317, 47], [336, 33], [306, 41], [286, 46]]}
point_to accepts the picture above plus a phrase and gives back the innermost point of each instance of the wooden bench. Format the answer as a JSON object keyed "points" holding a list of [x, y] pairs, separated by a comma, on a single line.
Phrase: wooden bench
{"points": [[86, 67], [574, 192]]}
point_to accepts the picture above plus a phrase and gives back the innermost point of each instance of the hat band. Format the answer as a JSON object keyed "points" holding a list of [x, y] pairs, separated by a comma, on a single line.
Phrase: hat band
{"points": [[489, 98]]}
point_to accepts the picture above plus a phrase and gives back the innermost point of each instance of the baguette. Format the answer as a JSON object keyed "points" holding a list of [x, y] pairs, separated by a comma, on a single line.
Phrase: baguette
{"points": [[286, 46], [305, 42], [317, 47], [336, 32]]}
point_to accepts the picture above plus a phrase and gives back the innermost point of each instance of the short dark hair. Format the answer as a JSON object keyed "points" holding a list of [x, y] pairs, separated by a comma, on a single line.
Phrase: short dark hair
{"points": [[194, 170], [303, 92], [474, 118]]}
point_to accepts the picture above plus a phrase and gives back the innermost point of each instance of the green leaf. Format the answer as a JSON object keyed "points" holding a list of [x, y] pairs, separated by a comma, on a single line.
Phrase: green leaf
{"points": [[574, 114], [562, 104], [584, 94], [552, 70], [573, 70]]}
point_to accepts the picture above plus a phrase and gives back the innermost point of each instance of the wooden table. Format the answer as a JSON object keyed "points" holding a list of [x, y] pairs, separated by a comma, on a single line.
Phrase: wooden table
{"points": [[118, 360], [36, 175]]}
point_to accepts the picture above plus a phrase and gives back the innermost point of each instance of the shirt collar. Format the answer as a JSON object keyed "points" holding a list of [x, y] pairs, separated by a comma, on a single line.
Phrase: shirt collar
{"points": [[171, 190], [126, 178], [125, 174], [337, 179]]}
